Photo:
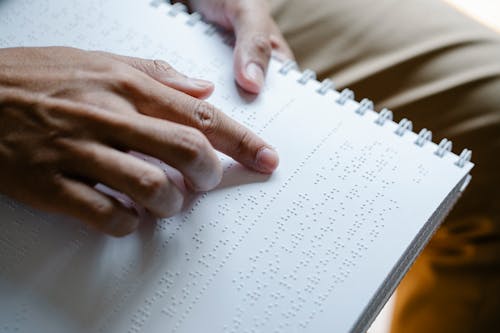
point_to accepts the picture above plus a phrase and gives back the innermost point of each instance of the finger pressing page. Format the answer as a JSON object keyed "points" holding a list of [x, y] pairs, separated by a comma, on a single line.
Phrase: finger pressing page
{"points": [[235, 140], [224, 133], [96, 209], [144, 183], [164, 73], [184, 148]]}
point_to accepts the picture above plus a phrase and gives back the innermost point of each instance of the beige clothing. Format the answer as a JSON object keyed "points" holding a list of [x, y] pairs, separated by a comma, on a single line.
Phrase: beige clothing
{"points": [[427, 62]]}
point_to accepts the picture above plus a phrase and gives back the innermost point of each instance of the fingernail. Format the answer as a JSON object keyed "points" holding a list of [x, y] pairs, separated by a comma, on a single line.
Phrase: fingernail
{"points": [[255, 73], [182, 82], [200, 84], [267, 160]]}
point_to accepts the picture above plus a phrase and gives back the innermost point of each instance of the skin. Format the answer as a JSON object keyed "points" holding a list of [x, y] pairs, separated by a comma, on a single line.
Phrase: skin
{"points": [[69, 118], [257, 35]]}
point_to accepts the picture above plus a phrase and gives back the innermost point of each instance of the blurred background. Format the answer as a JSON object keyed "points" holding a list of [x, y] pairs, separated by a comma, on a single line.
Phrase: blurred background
{"points": [[488, 13]]}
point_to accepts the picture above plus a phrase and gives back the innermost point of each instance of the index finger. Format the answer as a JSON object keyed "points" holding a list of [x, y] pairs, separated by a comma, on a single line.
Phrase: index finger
{"points": [[232, 138], [224, 133]]}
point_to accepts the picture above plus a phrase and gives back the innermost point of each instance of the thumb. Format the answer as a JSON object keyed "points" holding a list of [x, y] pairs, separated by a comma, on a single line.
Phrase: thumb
{"points": [[162, 72], [253, 47]]}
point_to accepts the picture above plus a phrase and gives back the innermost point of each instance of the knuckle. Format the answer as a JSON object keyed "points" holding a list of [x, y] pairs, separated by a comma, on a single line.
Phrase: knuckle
{"points": [[42, 158], [125, 81], [122, 77], [200, 162], [206, 117], [103, 210], [262, 44], [48, 156], [78, 151], [161, 66], [56, 188], [61, 139], [244, 141], [112, 68], [193, 145], [152, 184], [235, 9]]}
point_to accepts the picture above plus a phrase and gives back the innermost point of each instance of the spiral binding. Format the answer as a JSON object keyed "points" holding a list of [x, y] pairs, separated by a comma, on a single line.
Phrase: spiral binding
{"points": [[194, 18], [156, 3], [405, 125], [424, 136], [345, 95], [325, 86], [383, 116], [364, 106], [465, 157], [176, 8], [307, 75], [444, 146], [288, 65]]}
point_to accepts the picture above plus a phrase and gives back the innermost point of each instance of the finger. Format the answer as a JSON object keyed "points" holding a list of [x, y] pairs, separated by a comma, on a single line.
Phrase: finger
{"points": [[94, 208], [162, 72], [182, 147], [146, 184], [224, 133], [104, 100], [153, 137], [252, 26]]}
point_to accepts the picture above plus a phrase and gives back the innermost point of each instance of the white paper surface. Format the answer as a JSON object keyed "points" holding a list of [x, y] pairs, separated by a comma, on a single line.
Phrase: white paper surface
{"points": [[303, 250]]}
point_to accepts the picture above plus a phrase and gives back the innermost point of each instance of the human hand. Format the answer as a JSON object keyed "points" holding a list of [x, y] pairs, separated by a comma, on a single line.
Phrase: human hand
{"points": [[256, 36], [68, 119]]}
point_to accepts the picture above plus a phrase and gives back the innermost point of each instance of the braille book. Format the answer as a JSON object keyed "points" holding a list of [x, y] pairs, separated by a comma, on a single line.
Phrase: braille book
{"points": [[318, 246]]}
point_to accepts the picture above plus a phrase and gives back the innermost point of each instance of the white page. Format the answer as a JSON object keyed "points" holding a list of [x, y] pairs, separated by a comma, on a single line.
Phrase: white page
{"points": [[302, 250]]}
